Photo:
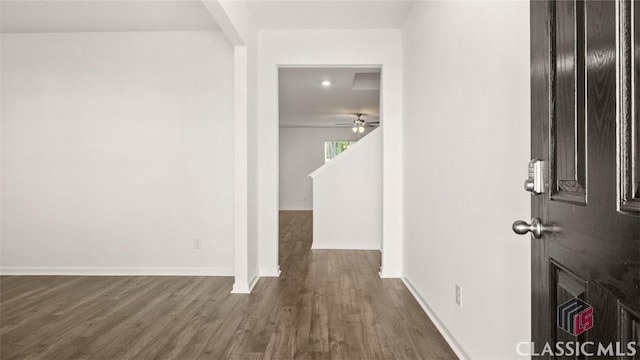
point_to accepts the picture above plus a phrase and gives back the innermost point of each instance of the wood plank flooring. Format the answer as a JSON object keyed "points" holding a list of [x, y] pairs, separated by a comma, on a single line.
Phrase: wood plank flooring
{"points": [[327, 304]]}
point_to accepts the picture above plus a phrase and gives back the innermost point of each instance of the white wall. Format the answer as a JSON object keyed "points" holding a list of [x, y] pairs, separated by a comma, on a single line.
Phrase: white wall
{"points": [[302, 152], [467, 115], [348, 198], [115, 153], [322, 48]]}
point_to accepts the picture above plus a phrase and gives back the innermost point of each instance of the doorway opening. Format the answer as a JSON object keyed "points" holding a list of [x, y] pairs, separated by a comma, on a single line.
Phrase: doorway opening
{"points": [[330, 173]]}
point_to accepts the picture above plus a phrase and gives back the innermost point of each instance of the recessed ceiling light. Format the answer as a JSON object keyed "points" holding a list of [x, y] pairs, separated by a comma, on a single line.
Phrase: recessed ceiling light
{"points": [[326, 83]]}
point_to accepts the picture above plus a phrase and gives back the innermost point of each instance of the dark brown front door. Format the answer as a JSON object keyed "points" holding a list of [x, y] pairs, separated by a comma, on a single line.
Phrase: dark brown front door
{"points": [[585, 97]]}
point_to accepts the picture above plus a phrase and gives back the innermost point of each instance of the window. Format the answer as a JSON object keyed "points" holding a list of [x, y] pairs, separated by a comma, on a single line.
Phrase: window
{"points": [[334, 148]]}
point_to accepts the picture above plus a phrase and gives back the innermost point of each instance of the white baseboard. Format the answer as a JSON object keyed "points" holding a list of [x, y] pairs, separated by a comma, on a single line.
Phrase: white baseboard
{"points": [[455, 346], [270, 272], [117, 271], [341, 247], [389, 275], [293, 208], [245, 288]]}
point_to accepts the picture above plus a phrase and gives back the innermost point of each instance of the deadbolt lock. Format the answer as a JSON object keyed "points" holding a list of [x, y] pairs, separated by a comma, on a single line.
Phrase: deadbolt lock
{"points": [[536, 177]]}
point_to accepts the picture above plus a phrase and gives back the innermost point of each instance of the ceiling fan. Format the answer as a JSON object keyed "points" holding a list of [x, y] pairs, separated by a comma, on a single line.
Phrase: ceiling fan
{"points": [[359, 124]]}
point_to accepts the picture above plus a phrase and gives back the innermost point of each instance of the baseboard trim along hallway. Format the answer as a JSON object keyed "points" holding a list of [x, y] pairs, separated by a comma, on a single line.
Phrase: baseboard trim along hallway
{"points": [[455, 346]]}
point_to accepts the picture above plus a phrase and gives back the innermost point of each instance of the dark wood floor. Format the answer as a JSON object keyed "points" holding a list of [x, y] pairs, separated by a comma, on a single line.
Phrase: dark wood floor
{"points": [[327, 304]]}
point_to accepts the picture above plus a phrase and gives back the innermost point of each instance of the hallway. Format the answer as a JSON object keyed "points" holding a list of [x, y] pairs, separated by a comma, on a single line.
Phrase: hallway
{"points": [[340, 307], [327, 304]]}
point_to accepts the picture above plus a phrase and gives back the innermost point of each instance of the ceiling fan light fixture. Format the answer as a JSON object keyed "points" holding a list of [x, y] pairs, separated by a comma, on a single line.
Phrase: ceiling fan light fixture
{"points": [[326, 83], [354, 129], [361, 129]]}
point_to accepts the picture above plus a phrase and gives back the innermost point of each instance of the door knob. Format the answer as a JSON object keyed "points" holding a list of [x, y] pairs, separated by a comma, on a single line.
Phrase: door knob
{"points": [[536, 228]]}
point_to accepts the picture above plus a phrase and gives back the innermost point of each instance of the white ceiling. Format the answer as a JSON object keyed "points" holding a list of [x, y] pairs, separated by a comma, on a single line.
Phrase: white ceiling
{"points": [[86, 16], [26, 16], [329, 14], [304, 102]]}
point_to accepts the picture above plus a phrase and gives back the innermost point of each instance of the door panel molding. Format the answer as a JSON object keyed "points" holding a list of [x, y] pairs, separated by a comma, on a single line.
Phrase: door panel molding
{"points": [[565, 286], [629, 97], [568, 118], [629, 326]]}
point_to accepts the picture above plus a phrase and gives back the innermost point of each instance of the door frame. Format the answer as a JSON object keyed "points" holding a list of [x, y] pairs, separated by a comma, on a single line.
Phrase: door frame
{"points": [[540, 38], [323, 48], [381, 127]]}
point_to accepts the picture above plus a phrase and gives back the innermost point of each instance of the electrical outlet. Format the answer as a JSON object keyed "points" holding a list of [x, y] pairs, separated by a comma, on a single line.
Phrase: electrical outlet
{"points": [[197, 244], [458, 295]]}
